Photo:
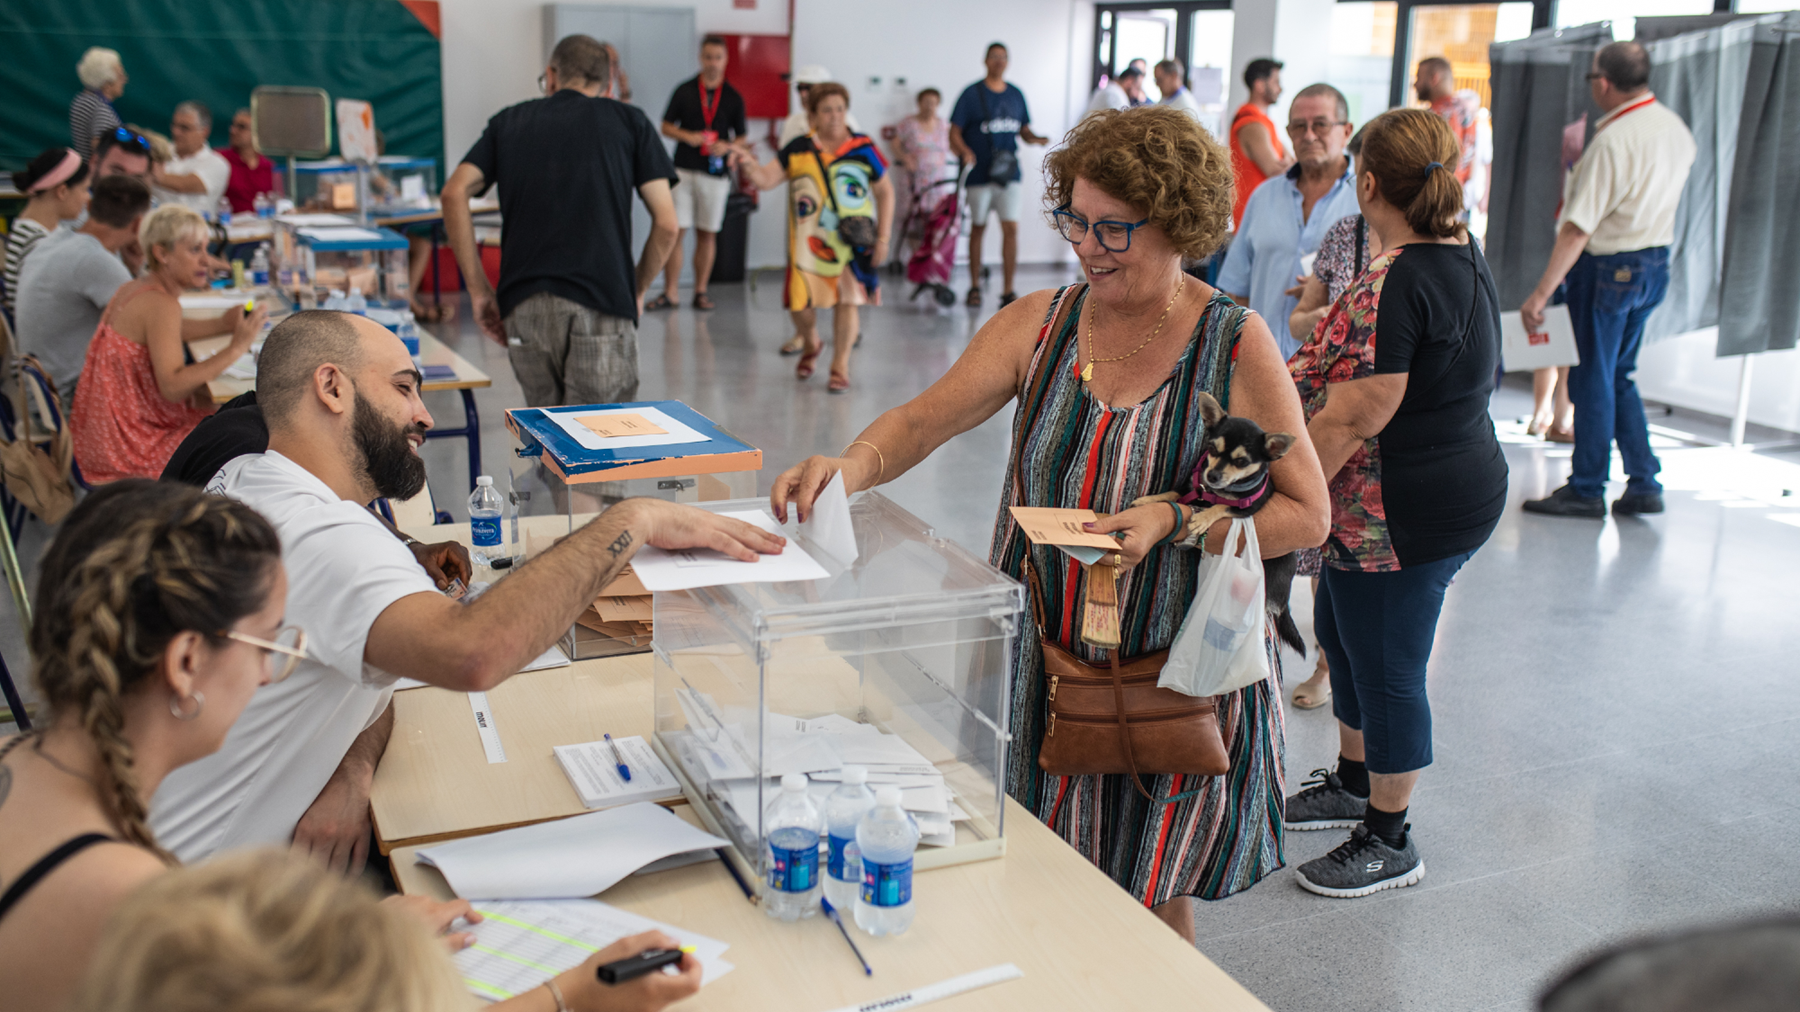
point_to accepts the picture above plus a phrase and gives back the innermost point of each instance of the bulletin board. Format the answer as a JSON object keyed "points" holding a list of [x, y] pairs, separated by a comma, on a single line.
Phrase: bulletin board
{"points": [[216, 51]]}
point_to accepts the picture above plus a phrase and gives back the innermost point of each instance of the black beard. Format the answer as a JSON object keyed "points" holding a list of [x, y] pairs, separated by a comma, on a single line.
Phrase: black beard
{"points": [[388, 460]]}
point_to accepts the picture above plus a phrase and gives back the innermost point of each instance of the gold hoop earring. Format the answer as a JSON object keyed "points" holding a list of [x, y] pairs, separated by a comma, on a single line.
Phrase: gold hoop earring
{"points": [[175, 705]]}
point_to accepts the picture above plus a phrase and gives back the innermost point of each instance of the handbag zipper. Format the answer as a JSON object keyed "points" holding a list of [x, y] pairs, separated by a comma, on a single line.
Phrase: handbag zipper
{"points": [[1152, 717], [1053, 680]]}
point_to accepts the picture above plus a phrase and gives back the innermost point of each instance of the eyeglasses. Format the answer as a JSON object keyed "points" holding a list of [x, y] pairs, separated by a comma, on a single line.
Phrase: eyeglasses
{"points": [[1113, 236], [289, 642], [1317, 126]]}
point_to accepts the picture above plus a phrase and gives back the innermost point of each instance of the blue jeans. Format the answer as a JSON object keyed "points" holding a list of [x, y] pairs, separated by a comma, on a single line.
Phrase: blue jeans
{"points": [[1610, 298], [1376, 629]]}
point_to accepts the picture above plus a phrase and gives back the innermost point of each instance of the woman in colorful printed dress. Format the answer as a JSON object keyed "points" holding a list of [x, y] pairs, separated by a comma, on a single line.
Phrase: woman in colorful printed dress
{"points": [[840, 213], [138, 397], [1396, 382], [1106, 375]]}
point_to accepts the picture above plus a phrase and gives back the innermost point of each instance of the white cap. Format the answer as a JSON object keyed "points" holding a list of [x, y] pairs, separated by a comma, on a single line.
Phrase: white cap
{"points": [[794, 783], [856, 774], [485, 480], [888, 796], [811, 73]]}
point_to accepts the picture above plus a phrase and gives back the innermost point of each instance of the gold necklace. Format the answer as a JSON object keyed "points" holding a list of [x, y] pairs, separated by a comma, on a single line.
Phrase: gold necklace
{"points": [[1087, 372]]}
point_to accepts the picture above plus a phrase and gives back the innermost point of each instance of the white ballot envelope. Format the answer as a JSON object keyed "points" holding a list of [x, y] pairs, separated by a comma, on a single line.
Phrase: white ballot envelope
{"points": [[1551, 347]]}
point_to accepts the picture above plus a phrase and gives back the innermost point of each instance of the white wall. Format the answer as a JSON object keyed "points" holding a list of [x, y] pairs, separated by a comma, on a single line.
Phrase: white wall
{"points": [[1682, 371], [1296, 32]]}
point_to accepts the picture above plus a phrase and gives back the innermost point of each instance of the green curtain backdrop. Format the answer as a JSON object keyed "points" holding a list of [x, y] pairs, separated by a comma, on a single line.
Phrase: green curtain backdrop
{"points": [[217, 51]]}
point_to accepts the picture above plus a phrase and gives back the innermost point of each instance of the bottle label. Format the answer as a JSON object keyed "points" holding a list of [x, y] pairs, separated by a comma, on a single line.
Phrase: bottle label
{"points": [[485, 531], [835, 864], [887, 885], [793, 869]]}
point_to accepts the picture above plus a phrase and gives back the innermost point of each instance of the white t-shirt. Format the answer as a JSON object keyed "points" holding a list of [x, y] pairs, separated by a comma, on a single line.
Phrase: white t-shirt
{"points": [[212, 169], [1624, 190], [1110, 97], [344, 568]]}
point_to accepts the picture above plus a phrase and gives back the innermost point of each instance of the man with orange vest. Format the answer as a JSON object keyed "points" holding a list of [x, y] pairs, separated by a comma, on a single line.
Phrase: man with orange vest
{"points": [[1256, 151]]}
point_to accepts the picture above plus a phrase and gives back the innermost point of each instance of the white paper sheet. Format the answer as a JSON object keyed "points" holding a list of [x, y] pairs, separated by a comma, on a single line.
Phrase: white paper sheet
{"points": [[567, 858], [314, 220], [522, 943], [829, 526], [341, 234], [663, 570], [674, 432], [1551, 346], [485, 727]]}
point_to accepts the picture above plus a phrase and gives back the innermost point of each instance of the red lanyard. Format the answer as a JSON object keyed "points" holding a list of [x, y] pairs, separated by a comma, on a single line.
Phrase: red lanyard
{"points": [[1633, 107], [707, 113]]}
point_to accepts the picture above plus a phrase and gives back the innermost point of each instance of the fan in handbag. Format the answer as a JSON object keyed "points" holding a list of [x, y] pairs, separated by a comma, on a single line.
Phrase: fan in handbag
{"points": [[1232, 480]]}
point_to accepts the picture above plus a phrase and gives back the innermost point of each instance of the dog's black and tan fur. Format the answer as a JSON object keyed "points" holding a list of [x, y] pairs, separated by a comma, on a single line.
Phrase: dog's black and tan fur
{"points": [[1236, 467]]}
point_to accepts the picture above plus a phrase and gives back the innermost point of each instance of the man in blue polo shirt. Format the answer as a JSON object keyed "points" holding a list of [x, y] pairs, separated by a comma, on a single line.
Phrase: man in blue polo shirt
{"points": [[985, 128], [1288, 215]]}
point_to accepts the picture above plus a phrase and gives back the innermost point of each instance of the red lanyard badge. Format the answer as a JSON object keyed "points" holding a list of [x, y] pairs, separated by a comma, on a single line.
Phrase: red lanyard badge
{"points": [[707, 112]]}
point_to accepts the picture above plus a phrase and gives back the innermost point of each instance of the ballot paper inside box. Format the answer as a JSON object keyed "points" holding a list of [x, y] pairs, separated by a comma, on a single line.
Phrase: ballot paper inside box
{"points": [[900, 662]]}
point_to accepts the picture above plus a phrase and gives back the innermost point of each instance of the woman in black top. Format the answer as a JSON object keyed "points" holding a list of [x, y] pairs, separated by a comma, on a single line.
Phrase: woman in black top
{"points": [[1396, 381]]}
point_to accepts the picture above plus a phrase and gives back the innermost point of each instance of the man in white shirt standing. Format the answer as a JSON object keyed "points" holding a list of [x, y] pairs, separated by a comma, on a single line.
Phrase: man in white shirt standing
{"points": [[1612, 260], [1171, 80], [340, 395], [1122, 92], [197, 175]]}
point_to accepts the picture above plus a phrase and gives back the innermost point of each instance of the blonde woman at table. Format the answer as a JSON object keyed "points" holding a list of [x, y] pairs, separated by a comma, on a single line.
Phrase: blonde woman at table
{"points": [[1106, 375], [137, 397], [270, 931]]}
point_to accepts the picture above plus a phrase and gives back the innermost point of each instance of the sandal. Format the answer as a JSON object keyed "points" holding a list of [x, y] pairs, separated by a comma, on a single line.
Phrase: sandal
{"points": [[1310, 695], [840, 383], [1556, 435], [660, 302], [795, 345], [1007, 298], [701, 301], [974, 299], [805, 369]]}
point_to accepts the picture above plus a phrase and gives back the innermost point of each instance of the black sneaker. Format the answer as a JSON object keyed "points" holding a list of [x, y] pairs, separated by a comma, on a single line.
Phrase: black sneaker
{"points": [[1362, 865], [1633, 504], [1565, 503], [1323, 804]]}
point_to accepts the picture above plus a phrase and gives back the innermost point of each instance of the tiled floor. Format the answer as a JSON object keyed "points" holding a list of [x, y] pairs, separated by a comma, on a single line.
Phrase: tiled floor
{"points": [[1612, 701]]}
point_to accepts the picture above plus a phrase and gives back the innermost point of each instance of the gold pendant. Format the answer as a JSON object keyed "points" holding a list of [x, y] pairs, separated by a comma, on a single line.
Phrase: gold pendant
{"points": [[1087, 373]]}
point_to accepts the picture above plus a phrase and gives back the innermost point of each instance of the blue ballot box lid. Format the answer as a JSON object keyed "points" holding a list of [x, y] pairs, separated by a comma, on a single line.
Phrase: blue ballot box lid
{"points": [[706, 448]]}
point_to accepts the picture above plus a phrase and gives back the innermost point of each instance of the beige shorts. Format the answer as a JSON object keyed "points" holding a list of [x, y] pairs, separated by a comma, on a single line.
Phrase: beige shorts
{"points": [[1004, 199], [700, 199]]}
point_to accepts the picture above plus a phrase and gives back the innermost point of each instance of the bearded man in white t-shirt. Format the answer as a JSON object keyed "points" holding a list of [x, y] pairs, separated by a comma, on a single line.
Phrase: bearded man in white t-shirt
{"points": [[341, 398]]}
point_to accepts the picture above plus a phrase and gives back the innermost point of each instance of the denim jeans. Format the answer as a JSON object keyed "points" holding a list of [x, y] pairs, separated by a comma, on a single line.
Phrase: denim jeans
{"points": [[1610, 298]]}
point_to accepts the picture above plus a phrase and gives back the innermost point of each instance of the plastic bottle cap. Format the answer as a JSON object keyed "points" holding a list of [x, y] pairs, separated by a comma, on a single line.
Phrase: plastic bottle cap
{"points": [[794, 783], [484, 480], [888, 796], [856, 774]]}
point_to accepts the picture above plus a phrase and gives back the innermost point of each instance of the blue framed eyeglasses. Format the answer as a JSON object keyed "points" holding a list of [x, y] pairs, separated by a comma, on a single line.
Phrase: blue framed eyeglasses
{"points": [[1113, 236]]}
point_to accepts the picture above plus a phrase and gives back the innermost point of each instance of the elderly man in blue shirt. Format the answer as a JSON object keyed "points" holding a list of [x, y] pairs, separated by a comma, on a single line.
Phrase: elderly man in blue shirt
{"points": [[1288, 215]]}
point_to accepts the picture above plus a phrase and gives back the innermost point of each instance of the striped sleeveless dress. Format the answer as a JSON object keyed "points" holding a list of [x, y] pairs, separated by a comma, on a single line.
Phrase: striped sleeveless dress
{"points": [[1071, 451]]}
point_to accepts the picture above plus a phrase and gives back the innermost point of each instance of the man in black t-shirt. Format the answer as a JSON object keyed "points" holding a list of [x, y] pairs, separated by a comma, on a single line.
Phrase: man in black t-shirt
{"points": [[706, 120], [566, 165]]}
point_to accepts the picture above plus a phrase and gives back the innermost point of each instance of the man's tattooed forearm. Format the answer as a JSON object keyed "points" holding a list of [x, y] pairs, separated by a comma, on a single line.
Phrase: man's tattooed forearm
{"points": [[619, 544]]}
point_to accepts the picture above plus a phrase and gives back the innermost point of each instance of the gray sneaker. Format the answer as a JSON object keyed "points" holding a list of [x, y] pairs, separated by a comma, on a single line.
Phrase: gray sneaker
{"points": [[1323, 804], [1362, 865]]}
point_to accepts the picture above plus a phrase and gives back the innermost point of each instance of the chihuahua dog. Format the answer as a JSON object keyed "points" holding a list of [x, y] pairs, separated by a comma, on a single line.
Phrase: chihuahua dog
{"points": [[1232, 480]]}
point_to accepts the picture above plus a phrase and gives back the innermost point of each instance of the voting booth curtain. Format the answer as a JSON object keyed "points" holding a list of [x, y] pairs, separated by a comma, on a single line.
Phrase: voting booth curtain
{"points": [[216, 51], [1760, 292]]}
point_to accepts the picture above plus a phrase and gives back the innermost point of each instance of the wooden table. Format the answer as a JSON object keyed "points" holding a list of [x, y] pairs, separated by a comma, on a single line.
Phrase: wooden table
{"points": [[1082, 942], [466, 380]]}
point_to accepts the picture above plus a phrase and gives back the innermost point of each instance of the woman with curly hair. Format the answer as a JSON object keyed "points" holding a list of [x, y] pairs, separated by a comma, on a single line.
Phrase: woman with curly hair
{"points": [[1108, 375]]}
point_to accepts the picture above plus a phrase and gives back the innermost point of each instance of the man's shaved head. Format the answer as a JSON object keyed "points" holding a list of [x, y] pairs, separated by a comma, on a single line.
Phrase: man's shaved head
{"points": [[295, 349]]}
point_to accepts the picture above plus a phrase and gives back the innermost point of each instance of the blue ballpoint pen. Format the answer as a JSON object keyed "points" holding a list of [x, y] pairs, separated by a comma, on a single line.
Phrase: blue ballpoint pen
{"points": [[831, 912], [618, 757]]}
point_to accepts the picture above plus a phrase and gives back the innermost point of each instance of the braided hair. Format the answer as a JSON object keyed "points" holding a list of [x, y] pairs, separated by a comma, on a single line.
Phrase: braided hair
{"points": [[137, 563]]}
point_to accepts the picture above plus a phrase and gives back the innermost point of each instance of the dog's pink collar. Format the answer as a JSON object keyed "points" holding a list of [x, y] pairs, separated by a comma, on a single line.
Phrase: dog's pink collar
{"points": [[1207, 495]]}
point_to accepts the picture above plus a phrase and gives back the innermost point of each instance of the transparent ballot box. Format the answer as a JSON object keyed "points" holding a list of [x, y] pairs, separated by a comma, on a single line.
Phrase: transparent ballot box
{"points": [[901, 662], [317, 254], [398, 184], [563, 473]]}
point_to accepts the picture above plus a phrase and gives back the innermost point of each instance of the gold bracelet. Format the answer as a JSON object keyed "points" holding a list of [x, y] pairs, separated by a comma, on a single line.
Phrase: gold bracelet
{"points": [[556, 992], [879, 456]]}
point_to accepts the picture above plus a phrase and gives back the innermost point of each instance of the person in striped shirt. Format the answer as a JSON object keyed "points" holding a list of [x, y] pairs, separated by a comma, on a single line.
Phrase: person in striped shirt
{"points": [[91, 113], [56, 187]]}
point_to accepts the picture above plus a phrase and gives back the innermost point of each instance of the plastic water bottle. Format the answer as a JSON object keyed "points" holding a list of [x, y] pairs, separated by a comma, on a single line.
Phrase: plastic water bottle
{"points": [[223, 216], [408, 332], [259, 267], [887, 838], [793, 852], [336, 301], [485, 509], [264, 205], [357, 303], [844, 811]]}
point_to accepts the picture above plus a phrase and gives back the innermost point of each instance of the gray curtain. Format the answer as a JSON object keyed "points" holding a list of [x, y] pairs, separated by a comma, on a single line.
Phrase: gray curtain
{"points": [[1539, 85], [1701, 76], [1760, 291]]}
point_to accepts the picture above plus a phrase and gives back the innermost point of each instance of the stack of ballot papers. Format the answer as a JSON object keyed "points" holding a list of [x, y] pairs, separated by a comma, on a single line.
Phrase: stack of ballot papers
{"points": [[519, 944], [593, 771], [568, 858], [820, 747], [622, 611]]}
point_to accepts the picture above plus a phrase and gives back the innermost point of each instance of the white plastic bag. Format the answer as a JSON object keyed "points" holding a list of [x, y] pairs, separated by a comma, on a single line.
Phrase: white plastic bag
{"points": [[1220, 646]]}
